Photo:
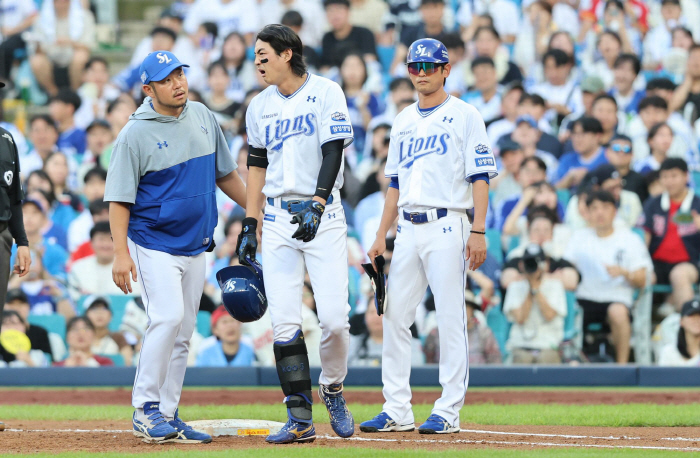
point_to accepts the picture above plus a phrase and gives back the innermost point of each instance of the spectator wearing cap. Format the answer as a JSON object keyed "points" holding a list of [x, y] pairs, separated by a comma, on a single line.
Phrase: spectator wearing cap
{"points": [[686, 350], [657, 41], [483, 347], [12, 322], [686, 97], [17, 301], [606, 178], [586, 156], [431, 25], [62, 109], [544, 228], [229, 350], [506, 184], [613, 263], [93, 274], [659, 139], [672, 232], [536, 306], [591, 87], [98, 136], [240, 16], [560, 90], [504, 124], [528, 136], [80, 335], [53, 256], [625, 73], [344, 37], [484, 95], [619, 154], [99, 313], [66, 36], [95, 93]]}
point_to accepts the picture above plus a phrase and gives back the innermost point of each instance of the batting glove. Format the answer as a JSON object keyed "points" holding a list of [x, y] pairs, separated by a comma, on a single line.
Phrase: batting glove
{"points": [[247, 240], [308, 219]]}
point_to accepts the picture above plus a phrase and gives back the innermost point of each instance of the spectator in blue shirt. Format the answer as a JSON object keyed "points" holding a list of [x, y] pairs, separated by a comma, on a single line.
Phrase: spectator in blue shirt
{"points": [[228, 351], [62, 109], [587, 155]]}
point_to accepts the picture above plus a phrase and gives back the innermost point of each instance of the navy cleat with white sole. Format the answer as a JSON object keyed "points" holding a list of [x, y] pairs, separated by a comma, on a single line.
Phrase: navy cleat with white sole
{"points": [[151, 426], [435, 424], [384, 423], [186, 434], [341, 419], [293, 431]]}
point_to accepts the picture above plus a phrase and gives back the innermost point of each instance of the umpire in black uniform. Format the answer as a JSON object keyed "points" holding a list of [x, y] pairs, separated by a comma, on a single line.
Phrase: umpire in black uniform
{"points": [[11, 222]]}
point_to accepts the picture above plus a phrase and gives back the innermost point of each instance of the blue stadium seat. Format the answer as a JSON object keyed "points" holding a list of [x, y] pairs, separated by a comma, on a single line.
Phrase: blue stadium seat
{"points": [[386, 56], [696, 181], [52, 323], [117, 359], [496, 320], [493, 241], [572, 311], [204, 323]]}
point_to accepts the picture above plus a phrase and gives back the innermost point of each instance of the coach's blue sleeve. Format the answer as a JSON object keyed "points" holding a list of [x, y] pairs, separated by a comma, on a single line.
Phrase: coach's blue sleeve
{"points": [[394, 183], [480, 176]]}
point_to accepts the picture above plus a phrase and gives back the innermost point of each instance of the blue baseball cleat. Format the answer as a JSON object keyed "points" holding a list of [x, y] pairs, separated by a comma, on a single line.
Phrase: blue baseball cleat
{"points": [[293, 431], [384, 423], [186, 434], [152, 426], [435, 424], [341, 419]]}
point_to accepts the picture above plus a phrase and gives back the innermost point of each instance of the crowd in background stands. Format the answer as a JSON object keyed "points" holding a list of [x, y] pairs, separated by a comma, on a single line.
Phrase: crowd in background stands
{"points": [[591, 107]]}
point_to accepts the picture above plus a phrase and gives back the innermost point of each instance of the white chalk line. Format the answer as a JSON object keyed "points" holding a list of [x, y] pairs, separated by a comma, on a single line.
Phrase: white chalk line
{"points": [[456, 441], [535, 444]]}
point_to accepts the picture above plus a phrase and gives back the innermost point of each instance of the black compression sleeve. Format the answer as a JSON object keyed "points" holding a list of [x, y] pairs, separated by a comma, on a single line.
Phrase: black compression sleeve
{"points": [[332, 159], [257, 157], [16, 225]]}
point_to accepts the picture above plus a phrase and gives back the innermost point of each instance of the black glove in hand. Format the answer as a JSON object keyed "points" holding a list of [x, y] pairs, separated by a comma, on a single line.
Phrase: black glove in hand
{"points": [[308, 219], [247, 240]]}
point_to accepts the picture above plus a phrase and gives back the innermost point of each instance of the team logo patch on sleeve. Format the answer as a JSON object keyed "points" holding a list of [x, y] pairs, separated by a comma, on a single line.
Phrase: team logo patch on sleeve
{"points": [[482, 149], [338, 116], [484, 161], [341, 129]]}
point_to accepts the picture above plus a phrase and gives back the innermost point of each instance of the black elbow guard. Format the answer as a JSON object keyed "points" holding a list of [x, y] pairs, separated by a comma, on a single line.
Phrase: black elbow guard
{"points": [[257, 157]]}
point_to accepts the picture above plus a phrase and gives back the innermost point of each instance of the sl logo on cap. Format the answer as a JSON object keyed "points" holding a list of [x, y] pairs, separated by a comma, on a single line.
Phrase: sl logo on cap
{"points": [[163, 58]]}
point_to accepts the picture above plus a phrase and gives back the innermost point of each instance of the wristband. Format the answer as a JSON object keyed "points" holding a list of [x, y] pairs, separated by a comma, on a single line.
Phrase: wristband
{"points": [[478, 232]]}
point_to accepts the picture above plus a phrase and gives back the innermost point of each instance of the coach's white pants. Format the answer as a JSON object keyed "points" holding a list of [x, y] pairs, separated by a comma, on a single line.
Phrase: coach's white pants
{"points": [[326, 259], [171, 291], [427, 254]]}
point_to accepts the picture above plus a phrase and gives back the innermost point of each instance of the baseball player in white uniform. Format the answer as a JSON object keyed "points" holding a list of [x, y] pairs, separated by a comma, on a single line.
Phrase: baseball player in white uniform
{"points": [[297, 130], [165, 167], [440, 164]]}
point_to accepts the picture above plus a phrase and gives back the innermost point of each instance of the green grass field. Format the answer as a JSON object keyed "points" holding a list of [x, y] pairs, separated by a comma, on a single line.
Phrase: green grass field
{"points": [[622, 415], [483, 414]]}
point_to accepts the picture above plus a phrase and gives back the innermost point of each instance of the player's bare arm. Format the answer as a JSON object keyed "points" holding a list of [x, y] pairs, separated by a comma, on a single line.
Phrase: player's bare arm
{"points": [[389, 215], [476, 244], [123, 264], [233, 186]]}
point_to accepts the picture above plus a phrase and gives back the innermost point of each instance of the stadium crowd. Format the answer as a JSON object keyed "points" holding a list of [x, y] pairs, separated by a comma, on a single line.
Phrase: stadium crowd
{"points": [[592, 108]]}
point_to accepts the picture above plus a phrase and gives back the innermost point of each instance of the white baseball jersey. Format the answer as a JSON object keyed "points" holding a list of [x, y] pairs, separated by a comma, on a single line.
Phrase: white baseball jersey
{"points": [[434, 155], [293, 128]]}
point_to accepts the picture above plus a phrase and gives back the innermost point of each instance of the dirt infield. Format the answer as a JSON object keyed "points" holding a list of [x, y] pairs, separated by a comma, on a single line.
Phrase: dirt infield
{"points": [[202, 397], [115, 436]]}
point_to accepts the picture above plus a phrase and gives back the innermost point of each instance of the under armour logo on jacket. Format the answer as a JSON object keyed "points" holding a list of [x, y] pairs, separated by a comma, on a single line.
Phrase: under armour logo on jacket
{"points": [[446, 119], [311, 99], [161, 145], [331, 215], [445, 230]]}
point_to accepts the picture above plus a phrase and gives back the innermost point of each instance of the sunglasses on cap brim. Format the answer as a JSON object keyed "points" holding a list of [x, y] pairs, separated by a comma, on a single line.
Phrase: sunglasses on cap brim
{"points": [[428, 68]]}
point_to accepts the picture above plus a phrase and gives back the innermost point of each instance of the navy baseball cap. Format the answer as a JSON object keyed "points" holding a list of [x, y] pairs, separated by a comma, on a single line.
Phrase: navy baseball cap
{"points": [[157, 65]]}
